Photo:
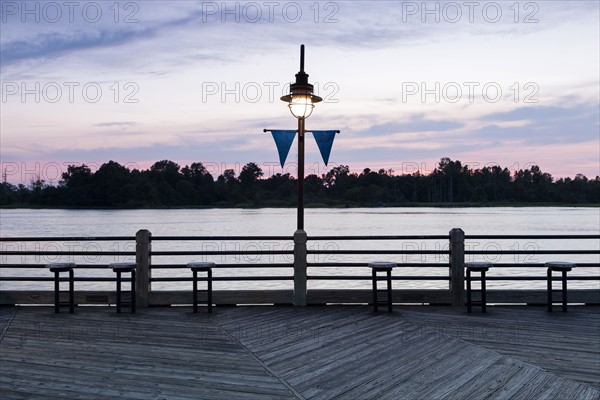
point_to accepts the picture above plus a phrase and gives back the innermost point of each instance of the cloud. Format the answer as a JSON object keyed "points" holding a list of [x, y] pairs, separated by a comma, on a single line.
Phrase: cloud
{"points": [[115, 124], [47, 41], [543, 125], [417, 123], [56, 44]]}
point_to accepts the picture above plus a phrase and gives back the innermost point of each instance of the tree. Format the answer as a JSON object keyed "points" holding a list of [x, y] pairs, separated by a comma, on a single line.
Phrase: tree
{"points": [[76, 176], [250, 174], [165, 184], [198, 185], [228, 177], [109, 183], [165, 170], [78, 185]]}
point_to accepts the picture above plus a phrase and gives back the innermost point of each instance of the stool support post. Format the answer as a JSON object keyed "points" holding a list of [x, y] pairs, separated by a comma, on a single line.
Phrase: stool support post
{"points": [[564, 291], [71, 291], [209, 286], [195, 291], [457, 261], [389, 289], [56, 293], [143, 245], [469, 309], [119, 292], [133, 291], [375, 299], [483, 299], [549, 290]]}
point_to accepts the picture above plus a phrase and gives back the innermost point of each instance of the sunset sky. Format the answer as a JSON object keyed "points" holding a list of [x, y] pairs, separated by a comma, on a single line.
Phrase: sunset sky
{"points": [[406, 83]]}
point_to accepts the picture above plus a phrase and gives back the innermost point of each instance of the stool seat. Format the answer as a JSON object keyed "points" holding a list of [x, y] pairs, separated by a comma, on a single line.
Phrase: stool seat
{"points": [[560, 265], [57, 268], [382, 266], [125, 267], [60, 267], [202, 267], [478, 266]]}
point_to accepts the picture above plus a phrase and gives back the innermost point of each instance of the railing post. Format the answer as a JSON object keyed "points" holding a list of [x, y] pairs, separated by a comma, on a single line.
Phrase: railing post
{"points": [[143, 245], [457, 270], [300, 239]]}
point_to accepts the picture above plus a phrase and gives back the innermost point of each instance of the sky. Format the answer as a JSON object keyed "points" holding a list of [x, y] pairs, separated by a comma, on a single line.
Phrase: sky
{"points": [[504, 83]]}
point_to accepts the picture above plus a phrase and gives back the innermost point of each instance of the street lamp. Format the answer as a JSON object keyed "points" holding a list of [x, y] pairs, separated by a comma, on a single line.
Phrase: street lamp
{"points": [[301, 102]]}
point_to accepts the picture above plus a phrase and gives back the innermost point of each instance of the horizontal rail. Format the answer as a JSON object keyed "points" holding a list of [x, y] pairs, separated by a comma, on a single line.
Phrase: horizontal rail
{"points": [[441, 265], [536, 278], [63, 279], [467, 237], [202, 238], [225, 278], [67, 253], [68, 239], [540, 265], [224, 266], [379, 278], [532, 251], [446, 252], [366, 264], [43, 266], [446, 278], [381, 237], [321, 237], [217, 252]]}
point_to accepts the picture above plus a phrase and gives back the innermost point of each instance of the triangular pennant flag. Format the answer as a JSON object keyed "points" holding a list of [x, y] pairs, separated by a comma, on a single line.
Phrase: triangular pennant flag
{"points": [[324, 141], [283, 141]]}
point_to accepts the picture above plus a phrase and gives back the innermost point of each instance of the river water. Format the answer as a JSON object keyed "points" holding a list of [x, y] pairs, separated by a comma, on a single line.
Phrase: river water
{"points": [[281, 222]]}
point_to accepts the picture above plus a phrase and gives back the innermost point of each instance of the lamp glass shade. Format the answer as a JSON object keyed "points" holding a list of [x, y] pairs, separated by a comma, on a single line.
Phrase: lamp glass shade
{"points": [[301, 106]]}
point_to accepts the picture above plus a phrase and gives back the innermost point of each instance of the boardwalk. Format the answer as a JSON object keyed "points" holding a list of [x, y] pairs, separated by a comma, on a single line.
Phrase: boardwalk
{"points": [[312, 352]]}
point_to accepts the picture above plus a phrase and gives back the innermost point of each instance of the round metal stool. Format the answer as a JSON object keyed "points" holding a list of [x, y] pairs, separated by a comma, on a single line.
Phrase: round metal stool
{"points": [[202, 267], [382, 266], [57, 268], [482, 268]]}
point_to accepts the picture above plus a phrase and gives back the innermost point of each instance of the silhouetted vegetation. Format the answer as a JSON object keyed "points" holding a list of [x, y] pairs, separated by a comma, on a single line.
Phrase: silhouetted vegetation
{"points": [[166, 184]]}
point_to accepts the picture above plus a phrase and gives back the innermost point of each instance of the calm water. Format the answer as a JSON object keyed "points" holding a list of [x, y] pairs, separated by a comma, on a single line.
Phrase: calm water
{"points": [[357, 221]]}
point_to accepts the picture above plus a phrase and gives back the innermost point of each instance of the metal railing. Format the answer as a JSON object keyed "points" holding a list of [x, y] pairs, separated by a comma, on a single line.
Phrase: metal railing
{"points": [[311, 263]]}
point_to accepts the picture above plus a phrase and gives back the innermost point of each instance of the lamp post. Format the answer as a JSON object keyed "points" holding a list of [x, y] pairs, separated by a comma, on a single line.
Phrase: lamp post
{"points": [[301, 102]]}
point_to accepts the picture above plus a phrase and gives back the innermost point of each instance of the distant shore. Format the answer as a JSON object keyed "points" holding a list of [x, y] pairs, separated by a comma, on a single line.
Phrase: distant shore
{"points": [[313, 205]]}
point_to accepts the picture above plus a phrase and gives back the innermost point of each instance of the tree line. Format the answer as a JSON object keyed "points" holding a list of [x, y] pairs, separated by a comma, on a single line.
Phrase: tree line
{"points": [[166, 184]]}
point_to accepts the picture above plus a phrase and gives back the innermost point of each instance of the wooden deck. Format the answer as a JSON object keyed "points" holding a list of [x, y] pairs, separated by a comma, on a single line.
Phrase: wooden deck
{"points": [[268, 352]]}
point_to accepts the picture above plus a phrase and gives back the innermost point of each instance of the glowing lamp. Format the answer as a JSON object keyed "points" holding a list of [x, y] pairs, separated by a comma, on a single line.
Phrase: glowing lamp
{"points": [[301, 99]]}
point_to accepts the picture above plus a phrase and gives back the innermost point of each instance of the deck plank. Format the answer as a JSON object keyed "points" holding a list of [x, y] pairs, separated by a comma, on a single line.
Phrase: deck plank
{"points": [[96, 354], [269, 352], [567, 344]]}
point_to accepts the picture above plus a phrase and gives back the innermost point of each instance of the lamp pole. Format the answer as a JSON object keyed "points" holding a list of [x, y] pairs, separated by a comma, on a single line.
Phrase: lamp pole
{"points": [[301, 173], [301, 101]]}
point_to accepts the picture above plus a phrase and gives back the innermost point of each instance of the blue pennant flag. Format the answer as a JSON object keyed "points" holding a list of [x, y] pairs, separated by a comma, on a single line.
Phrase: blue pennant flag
{"points": [[283, 141], [324, 141]]}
